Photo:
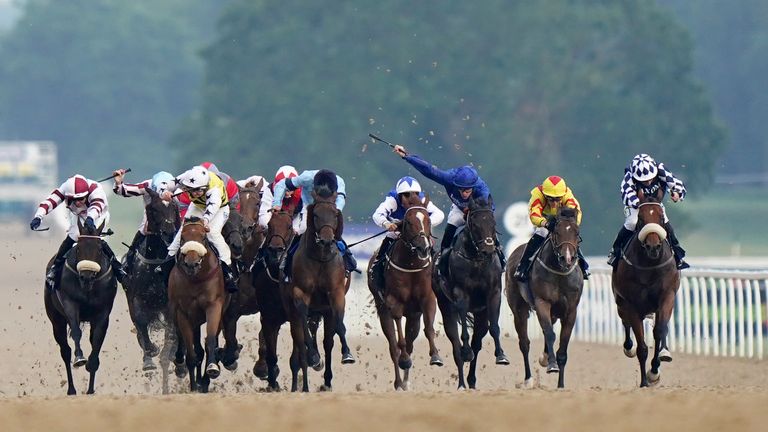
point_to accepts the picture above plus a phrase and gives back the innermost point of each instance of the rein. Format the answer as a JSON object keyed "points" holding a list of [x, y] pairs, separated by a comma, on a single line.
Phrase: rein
{"points": [[410, 245]]}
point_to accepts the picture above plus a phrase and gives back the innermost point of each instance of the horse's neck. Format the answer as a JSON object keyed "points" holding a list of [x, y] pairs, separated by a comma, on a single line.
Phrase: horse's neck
{"points": [[154, 247], [547, 252], [251, 248], [401, 253], [465, 245]]}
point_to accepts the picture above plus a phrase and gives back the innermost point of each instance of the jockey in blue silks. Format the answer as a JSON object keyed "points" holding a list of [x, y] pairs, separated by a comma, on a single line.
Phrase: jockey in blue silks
{"points": [[308, 181], [461, 184]]}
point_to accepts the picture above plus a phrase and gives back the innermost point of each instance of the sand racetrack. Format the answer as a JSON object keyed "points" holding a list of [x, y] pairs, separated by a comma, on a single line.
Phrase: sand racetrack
{"points": [[696, 393]]}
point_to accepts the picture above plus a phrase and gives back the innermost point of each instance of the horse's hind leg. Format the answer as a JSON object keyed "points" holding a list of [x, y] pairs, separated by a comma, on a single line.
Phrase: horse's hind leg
{"points": [[494, 307], [98, 333], [543, 310], [481, 329], [299, 333], [59, 324], [565, 336]]}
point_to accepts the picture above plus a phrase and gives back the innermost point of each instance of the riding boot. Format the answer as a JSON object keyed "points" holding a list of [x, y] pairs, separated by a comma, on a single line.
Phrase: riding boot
{"points": [[285, 264], [445, 249], [120, 274], [524, 266], [230, 281], [377, 266], [676, 248], [131, 254], [501, 254], [618, 245], [52, 277], [583, 264], [165, 269], [350, 263]]}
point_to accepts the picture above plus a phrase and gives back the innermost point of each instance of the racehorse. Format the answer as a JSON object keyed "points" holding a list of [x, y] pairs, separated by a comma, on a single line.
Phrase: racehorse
{"points": [[407, 291], [645, 282], [318, 285], [244, 301], [553, 291], [145, 287], [196, 296], [471, 291], [86, 292]]}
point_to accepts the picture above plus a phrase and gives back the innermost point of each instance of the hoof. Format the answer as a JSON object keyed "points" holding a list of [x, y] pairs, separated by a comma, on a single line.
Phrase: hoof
{"points": [[654, 378], [632, 352], [149, 365], [665, 355], [527, 384], [260, 370], [79, 362], [180, 371], [348, 359], [230, 367], [325, 388], [406, 385], [467, 355], [153, 351], [435, 360], [553, 369], [544, 360], [319, 365], [213, 371], [405, 364], [314, 361], [502, 360]]}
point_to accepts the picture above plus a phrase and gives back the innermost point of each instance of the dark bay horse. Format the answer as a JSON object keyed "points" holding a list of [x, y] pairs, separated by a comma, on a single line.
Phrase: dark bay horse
{"points": [[86, 294], [267, 278], [471, 292], [244, 302], [553, 292], [407, 290], [645, 282], [318, 285], [196, 296], [145, 287]]}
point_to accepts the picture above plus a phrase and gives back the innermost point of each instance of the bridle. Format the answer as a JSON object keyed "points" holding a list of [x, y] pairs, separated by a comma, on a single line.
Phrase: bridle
{"points": [[486, 241], [410, 243], [320, 228]]}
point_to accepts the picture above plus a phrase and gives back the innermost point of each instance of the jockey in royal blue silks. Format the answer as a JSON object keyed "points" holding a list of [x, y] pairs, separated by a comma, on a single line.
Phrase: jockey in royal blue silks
{"points": [[322, 182], [461, 184]]}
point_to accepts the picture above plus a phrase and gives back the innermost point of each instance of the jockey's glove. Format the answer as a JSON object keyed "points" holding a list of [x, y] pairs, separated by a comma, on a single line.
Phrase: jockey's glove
{"points": [[35, 223]]}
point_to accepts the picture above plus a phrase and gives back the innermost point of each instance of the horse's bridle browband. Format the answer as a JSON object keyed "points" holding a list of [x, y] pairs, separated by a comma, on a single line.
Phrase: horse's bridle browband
{"points": [[410, 245], [469, 233]]}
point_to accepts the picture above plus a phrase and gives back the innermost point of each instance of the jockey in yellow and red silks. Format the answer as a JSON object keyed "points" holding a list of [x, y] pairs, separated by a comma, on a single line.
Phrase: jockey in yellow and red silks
{"points": [[546, 199]]}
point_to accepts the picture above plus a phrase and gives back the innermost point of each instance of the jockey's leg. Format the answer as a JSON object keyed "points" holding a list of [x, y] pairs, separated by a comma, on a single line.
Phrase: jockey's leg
{"points": [[676, 248], [52, 277], [350, 263], [216, 238], [116, 266], [285, 265], [621, 240], [445, 246], [131, 255], [583, 264], [502, 255], [524, 266], [377, 267]]}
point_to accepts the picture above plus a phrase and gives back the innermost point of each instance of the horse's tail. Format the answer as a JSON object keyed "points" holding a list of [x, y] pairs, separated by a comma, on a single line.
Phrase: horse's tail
{"points": [[470, 320]]}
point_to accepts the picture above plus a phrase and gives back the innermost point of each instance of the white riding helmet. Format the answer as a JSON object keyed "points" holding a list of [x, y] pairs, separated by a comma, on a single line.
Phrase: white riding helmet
{"points": [[407, 184], [644, 167], [285, 172], [76, 187], [195, 178]]}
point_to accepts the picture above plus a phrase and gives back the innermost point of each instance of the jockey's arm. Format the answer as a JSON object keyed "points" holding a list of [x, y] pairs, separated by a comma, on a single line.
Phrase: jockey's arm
{"points": [[436, 216], [131, 189], [430, 171], [381, 215], [97, 202], [627, 189], [51, 202], [264, 208], [536, 208], [572, 202], [213, 202], [674, 184], [341, 193]]}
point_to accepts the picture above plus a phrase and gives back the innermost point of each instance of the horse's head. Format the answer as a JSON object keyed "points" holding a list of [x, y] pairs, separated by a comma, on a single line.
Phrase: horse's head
{"points": [[193, 246], [324, 220], [162, 216], [278, 237], [416, 230], [565, 237], [89, 253], [650, 226], [481, 226], [250, 201]]}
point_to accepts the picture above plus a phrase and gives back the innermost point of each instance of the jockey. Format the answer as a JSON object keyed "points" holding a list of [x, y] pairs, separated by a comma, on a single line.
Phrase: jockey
{"points": [[323, 180], [159, 182], [461, 184], [209, 203], [653, 179], [291, 198], [390, 213], [87, 204], [233, 192], [546, 199]]}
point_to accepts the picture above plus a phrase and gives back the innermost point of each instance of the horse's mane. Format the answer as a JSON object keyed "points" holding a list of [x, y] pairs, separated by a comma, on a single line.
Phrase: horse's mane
{"points": [[483, 202], [324, 191], [568, 213], [193, 219], [650, 199], [414, 200]]}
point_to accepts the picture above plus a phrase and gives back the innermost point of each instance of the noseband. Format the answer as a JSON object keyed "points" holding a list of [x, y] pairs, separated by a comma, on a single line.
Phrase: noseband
{"points": [[488, 240]]}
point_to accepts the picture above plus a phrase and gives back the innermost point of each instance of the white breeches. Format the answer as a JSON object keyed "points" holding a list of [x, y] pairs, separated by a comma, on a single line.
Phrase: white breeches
{"points": [[74, 232], [456, 216], [631, 217], [541, 232], [214, 234]]}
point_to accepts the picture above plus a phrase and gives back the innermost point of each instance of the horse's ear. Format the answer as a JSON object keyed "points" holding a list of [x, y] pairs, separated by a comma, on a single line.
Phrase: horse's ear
{"points": [[490, 201], [640, 195], [101, 227], [472, 202], [426, 201], [79, 226], [260, 184], [152, 194]]}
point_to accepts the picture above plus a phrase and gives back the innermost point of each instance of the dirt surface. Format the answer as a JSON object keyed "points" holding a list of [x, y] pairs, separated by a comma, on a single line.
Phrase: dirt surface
{"points": [[696, 393]]}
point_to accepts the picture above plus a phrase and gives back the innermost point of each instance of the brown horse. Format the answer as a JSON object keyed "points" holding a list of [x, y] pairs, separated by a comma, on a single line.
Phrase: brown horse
{"points": [[407, 290], [86, 293], [645, 282], [318, 285], [553, 291], [266, 282], [244, 301], [196, 296]]}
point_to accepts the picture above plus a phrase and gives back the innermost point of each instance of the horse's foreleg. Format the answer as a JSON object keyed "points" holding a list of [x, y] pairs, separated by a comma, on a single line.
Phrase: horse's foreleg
{"points": [[230, 353], [141, 320], [388, 328], [72, 314], [481, 329], [565, 336], [338, 304], [313, 353], [494, 308], [329, 329], [451, 326], [59, 324], [300, 334], [184, 329], [270, 332], [543, 313], [260, 368], [428, 306], [466, 349], [642, 349], [402, 355], [98, 333], [660, 331], [213, 315]]}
